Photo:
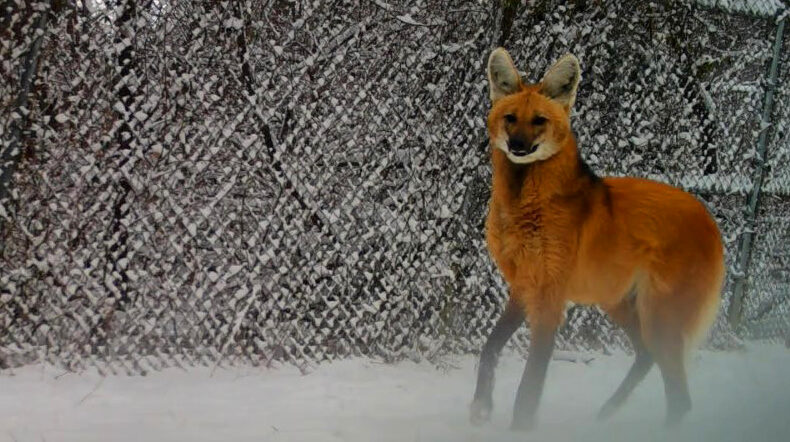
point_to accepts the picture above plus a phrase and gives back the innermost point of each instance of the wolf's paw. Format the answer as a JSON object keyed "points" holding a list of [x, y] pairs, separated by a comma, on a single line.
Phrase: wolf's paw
{"points": [[525, 423], [607, 410], [675, 415], [480, 411]]}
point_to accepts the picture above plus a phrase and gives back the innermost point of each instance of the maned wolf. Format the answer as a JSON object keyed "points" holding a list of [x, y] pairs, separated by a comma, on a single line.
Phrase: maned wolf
{"points": [[647, 253]]}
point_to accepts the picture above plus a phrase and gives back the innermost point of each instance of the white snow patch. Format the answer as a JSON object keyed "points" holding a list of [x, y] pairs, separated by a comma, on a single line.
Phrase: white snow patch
{"points": [[737, 396]]}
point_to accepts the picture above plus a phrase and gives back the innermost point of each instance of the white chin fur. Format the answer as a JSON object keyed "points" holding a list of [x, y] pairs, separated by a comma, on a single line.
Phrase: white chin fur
{"points": [[545, 150]]}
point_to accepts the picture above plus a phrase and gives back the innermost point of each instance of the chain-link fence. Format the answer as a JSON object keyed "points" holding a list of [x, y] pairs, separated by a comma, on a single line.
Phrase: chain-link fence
{"points": [[201, 182]]}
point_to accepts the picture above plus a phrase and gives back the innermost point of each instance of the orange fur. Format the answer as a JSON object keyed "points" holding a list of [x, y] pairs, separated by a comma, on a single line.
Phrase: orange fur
{"points": [[558, 236]]}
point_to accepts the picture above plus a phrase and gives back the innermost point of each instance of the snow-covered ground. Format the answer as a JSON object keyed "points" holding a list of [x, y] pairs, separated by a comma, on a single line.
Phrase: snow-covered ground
{"points": [[738, 396]]}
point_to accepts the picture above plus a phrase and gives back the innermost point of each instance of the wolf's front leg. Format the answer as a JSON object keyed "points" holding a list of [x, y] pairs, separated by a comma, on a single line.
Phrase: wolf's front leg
{"points": [[541, 345], [508, 323]]}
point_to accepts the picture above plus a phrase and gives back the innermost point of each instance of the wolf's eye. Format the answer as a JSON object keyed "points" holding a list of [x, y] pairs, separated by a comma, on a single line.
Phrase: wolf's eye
{"points": [[510, 118], [538, 120]]}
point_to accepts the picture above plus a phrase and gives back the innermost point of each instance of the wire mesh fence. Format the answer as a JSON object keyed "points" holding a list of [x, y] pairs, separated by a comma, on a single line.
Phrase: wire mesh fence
{"points": [[229, 181]]}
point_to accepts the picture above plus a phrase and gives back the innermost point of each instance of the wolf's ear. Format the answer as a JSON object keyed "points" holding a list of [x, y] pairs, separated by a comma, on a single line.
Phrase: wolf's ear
{"points": [[561, 80], [503, 77]]}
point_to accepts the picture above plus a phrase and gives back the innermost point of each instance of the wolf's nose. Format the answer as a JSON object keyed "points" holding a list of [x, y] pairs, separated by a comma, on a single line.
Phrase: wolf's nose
{"points": [[516, 144]]}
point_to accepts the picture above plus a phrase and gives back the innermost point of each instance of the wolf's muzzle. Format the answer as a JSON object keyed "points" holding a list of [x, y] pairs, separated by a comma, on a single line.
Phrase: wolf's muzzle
{"points": [[519, 148]]}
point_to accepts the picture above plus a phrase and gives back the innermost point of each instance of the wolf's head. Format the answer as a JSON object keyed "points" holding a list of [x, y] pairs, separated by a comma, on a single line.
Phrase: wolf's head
{"points": [[530, 122]]}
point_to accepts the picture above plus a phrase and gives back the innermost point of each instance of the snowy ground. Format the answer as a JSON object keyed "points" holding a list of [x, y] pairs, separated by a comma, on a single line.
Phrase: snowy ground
{"points": [[737, 397]]}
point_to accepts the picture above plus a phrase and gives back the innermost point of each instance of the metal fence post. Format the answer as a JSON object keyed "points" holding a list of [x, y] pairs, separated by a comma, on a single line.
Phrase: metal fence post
{"points": [[735, 311]]}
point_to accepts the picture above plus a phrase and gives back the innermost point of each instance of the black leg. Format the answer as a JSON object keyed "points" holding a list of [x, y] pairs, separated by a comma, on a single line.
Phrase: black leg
{"points": [[531, 387], [678, 400], [673, 370], [639, 369], [508, 323], [626, 316]]}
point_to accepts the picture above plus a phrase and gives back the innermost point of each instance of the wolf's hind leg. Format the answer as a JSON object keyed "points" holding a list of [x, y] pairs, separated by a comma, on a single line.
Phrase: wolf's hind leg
{"points": [[625, 315]]}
